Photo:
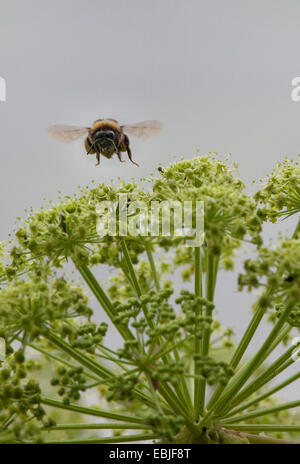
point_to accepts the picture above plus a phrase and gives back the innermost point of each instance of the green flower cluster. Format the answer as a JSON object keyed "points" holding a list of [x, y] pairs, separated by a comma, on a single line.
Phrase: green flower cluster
{"points": [[294, 315], [213, 371], [84, 335], [20, 401], [70, 382], [229, 214], [28, 307], [69, 230], [194, 323], [277, 270], [159, 311], [121, 388], [280, 193], [166, 426]]}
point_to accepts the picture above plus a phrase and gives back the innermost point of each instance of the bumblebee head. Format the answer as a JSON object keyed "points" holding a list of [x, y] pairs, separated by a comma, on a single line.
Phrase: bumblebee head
{"points": [[104, 142]]}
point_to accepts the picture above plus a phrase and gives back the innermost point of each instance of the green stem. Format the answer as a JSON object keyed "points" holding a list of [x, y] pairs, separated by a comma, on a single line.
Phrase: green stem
{"points": [[198, 275], [103, 299], [296, 229], [210, 287], [96, 426], [243, 375], [163, 350], [152, 265], [138, 290], [272, 371], [90, 364], [244, 343], [198, 397], [154, 394], [216, 268], [264, 427], [240, 350], [186, 395], [86, 361], [246, 339], [98, 441], [262, 412], [60, 360], [131, 270], [134, 279], [183, 391], [90, 411], [172, 400], [280, 337], [265, 395]]}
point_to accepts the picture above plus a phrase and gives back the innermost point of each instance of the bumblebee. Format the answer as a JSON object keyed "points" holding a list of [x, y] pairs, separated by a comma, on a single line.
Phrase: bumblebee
{"points": [[106, 136]]}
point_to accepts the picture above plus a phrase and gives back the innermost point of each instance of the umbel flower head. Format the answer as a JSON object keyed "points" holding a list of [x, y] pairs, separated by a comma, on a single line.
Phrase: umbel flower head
{"points": [[28, 306], [19, 404], [280, 193], [278, 270], [69, 230], [229, 214]]}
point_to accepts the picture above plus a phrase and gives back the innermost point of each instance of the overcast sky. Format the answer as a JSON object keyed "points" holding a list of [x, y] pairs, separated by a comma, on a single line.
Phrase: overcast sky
{"points": [[217, 74]]}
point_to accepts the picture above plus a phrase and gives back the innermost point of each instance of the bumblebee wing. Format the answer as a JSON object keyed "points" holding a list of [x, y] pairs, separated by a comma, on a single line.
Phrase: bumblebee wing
{"points": [[144, 129], [67, 134]]}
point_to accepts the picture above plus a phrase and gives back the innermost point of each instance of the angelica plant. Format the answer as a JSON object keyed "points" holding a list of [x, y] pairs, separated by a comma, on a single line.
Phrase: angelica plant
{"points": [[176, 375]]}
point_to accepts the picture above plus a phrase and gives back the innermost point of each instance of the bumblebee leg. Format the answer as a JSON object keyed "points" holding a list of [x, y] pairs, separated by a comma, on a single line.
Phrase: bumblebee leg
{"points": [[89, 146], [120, 156], [130, 155], [98, 159]]}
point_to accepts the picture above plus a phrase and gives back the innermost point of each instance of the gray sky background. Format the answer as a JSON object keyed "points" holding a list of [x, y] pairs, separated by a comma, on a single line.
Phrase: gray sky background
{"points": [[218, 74]]}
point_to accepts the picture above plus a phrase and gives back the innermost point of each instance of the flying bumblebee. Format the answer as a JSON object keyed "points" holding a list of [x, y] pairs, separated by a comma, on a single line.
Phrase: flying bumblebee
{"points": [[106, 137]]}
